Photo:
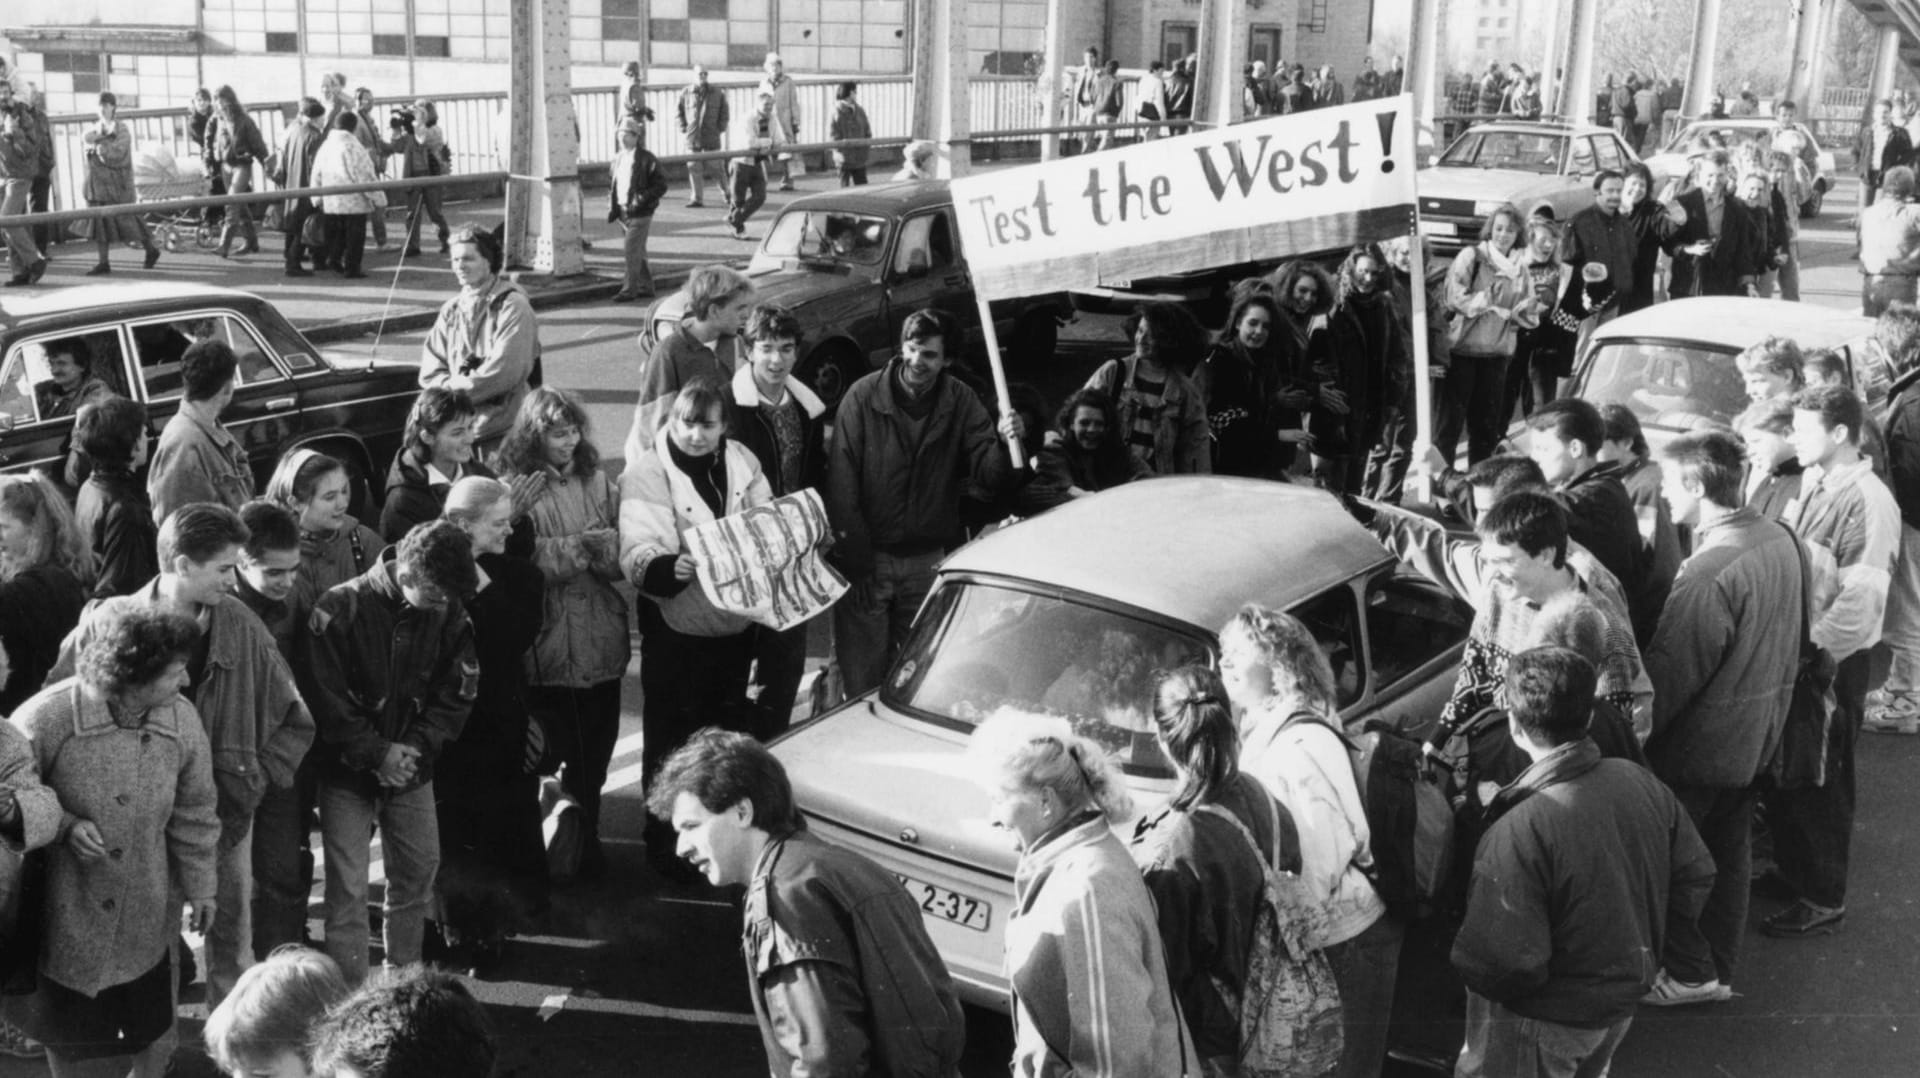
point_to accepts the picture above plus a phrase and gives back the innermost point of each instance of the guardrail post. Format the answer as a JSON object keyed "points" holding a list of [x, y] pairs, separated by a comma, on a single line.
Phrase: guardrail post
{"points": [[1576, 90], [543, 188], [1809, 40], [940, 109], [1423, 75], [1052, 77], [1700, 65]]}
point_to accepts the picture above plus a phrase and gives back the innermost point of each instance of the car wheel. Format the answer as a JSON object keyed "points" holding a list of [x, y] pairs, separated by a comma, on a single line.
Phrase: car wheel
{"points": [[830, 370], [1811, 207], [1036, 336]]}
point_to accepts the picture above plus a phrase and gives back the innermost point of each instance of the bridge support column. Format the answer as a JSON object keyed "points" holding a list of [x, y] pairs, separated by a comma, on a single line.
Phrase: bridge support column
{"points": [[1576, 89], [1552, 60], [543, 188], [1054, 108], [1223, 52], [1423, 75], [940, 88], [1886, 63], [1811, 18], [1700, 65]]}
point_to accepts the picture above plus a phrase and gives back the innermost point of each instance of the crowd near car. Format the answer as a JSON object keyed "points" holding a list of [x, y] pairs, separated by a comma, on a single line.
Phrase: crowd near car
{"points": [[1672, 158]]}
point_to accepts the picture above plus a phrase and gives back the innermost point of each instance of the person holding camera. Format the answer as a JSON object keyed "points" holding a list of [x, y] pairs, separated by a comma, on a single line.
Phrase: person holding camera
{"points": [[485, 340]]}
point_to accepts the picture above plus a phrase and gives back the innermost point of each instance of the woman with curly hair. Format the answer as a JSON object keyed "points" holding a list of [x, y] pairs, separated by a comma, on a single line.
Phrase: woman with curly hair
{"points": [[1363, 354], [1163, 417], [583, 650], [128, 758], [46, 568], [1238, 380], [334, 546], [1087, 457]]}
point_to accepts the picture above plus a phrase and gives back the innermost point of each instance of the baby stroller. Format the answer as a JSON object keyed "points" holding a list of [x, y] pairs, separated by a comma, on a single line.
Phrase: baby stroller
{"points": [[157, 177]]}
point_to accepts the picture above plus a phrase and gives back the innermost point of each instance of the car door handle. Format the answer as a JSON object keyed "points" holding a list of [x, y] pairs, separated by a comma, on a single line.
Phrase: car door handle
{"points": [[278, 404]]}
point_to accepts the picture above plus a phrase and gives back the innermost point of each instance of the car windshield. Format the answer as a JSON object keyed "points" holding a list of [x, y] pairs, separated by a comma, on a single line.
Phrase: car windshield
{"points": [[1675, 386], [980, 647], [1734, 136], [828, 235], [1528, 151]]}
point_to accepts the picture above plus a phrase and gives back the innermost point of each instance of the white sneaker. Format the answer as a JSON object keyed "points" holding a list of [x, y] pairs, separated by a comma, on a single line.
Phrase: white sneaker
{"points": [[1668, 992]]}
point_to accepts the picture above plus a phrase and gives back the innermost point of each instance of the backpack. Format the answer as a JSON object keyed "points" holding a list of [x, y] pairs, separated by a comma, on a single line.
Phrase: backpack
{"points": [[1289, 1010], [1409, 810]]}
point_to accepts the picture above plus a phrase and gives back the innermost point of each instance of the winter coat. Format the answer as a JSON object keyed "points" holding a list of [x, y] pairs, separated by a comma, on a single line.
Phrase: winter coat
{"points": [[646, 184], [843, 976], [150, 792], [1901, 422], [1305, 766], [703, 117], [38, 607], [257, 725], [658, 506], [327, 560], [1652, 227], [677, 358], [378, 671], [342, 160], [414, 496], [1478, 292], [19, 150], [1724, 659], [1894, 151], [786, 101], [491, 751], [1727, 269], [1060, 468], [896, 482], [1090, 989], [1660, 541], [293, 166], [1182, 443], [1573, 886], [760, 139], [1849, 513], [1601, 518], [234, 141], [849, 123], [109, 165], [116, 519], [584, 642], [197, 460], [493, 341], [1237, 386], [1614, 241], [1207, 885], [749, 426]]}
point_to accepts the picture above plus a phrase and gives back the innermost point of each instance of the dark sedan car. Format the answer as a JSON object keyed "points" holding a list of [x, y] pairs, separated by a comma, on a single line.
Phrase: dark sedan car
{"points": [[131, 337]]}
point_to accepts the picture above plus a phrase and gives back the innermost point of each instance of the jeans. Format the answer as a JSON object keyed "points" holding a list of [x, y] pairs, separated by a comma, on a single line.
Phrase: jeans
{"points": [[21, 250], [230, 937], [865, 636], [346, 241], [410, 848], [1502, 1044], [634, 245], [585, 724], [853, 177], [1902, 632], [746, 190], [1474, 389], [697, 170], [1364, 968], [239, 182], [1812, 826], [1386, 474], [779, 660], [423, 200], [1707, 949], [688, 682], [295, 224], [283, 862], [1530, 381]]}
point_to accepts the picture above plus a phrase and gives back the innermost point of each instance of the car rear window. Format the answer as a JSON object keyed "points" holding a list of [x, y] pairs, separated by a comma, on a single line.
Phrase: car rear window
{"points": [[1523, 150], [1677, 387], [979, 647], [828, 235]]}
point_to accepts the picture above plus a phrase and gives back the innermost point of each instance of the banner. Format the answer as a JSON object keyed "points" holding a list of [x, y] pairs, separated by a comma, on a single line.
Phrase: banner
{"points": [[1312, 181], [765, 563]]}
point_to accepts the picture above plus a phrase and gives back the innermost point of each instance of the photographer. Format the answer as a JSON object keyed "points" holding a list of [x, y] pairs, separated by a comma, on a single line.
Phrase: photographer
{"points": [[485, 341]]}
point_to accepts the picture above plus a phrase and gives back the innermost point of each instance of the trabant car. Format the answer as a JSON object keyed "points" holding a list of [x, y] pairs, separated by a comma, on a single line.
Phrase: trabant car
{"points": [[288, 393], [1073, 613]]}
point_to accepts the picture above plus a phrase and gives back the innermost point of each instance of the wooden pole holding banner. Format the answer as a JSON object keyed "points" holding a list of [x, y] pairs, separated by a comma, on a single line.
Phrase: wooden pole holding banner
{"points": [[1422, 362], [999, 368]]}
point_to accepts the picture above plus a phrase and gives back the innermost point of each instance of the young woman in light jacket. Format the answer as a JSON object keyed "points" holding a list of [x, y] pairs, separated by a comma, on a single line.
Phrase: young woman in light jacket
{"points": [[694, 656], [1280, 682], [582, 652], [1491, 301], [1090, 989]]}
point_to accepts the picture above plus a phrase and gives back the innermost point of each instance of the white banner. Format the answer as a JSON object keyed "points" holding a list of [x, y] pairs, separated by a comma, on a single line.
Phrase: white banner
{"points": [[1313, 181], [765, 563]]}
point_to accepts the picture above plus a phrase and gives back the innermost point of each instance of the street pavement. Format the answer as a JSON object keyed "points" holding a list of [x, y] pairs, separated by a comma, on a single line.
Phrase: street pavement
{"points": [[639, 976]]}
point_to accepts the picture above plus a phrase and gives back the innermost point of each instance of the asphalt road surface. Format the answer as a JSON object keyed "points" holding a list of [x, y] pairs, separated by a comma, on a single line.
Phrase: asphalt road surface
{"points": [[637, 976]]}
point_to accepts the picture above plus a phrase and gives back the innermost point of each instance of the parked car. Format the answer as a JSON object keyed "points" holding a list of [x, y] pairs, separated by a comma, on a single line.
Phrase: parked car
{"points": [[1672, 363], [852, 264], [1072, 613], [1528, 163], [1672, 159], [288, 393]]}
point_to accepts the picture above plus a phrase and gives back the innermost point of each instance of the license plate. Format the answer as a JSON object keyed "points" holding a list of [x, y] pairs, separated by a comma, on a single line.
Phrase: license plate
{"points": [[947, 905], [1438, 228]]}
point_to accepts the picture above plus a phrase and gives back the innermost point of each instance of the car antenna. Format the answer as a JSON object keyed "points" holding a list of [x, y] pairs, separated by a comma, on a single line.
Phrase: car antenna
{"points": [[387, 308]]}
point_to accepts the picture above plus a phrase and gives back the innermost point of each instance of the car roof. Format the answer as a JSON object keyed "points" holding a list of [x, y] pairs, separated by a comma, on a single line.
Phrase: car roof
{"points": [[1192, 548], [902, 197], [1738, 322], [93, 298]]}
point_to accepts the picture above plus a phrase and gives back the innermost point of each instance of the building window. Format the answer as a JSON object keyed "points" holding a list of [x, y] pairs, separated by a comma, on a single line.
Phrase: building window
{"points": [[390, 44], [620, 20], [283, 42], [432, 45], [1178, 40], [1313, 16], [85, 70], [1263, 46]]}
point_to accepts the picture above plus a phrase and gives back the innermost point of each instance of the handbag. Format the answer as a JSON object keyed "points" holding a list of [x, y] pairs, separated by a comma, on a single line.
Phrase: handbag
{"points": [[313, 231], [1801, 760]]}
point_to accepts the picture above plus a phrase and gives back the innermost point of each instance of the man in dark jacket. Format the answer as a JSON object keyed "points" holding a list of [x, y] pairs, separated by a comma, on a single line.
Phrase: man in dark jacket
{"points": [[907, 440], [1564, 438], [703, 120], [843, 976], [783, 423], [639, 183], [1587, 865], [1879, 146], [389, 670], [1717, 252], [295, 169], [1722, 665], [1602, 233], [1895, 708]]}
